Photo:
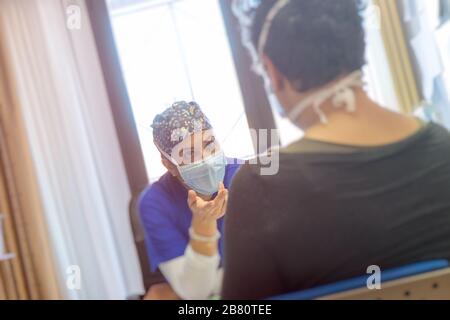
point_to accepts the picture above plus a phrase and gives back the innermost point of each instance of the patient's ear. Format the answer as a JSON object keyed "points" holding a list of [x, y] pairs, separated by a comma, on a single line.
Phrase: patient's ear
{"points": [[170, 167], [276, 78]]}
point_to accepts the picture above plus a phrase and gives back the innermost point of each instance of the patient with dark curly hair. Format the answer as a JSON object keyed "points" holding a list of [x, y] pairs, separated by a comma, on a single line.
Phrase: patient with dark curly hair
{"points": [[365, 185]]}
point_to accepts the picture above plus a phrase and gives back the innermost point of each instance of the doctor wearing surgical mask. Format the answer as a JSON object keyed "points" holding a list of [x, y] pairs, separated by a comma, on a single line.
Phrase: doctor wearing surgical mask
{"points": [[183, 212]]}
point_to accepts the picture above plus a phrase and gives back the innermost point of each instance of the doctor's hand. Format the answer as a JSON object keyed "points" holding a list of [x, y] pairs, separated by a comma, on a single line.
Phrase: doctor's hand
{"points": [[204, 211]]}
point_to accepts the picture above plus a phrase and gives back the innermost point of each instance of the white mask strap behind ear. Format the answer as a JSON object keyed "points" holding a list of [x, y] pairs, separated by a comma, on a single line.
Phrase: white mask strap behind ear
{"points": [[342, 94], [264, 35]]}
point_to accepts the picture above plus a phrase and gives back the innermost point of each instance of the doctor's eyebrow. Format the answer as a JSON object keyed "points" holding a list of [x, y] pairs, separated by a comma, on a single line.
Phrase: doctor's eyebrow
{"points": [[206, 144]]}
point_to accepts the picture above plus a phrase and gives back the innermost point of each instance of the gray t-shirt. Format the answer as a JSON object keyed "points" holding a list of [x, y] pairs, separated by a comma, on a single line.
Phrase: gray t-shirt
{"points": [[334, 210]]}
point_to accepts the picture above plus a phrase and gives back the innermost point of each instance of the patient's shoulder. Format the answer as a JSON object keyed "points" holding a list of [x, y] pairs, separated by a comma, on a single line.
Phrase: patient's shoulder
{"points": [[246, 176], [247, 188]]}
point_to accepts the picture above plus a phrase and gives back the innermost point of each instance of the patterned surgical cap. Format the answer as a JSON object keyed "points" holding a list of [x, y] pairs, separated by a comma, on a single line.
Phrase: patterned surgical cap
{"points": [[176, 123]]}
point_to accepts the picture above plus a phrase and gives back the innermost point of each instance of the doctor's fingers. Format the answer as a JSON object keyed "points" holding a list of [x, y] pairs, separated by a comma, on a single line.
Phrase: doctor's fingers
{"points": [[192, 198], [221, 205], [220, 197], [223, 209]]}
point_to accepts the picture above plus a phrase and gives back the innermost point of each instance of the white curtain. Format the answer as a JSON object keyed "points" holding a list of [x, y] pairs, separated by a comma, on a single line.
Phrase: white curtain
{"points": [[74, 146], [379, 78]]}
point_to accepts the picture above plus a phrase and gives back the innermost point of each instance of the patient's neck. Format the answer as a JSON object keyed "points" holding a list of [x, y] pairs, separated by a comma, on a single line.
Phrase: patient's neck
{"points": [[369, 125]]}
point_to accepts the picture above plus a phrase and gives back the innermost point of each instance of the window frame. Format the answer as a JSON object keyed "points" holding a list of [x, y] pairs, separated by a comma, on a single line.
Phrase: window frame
{"points": [[119, 99]]}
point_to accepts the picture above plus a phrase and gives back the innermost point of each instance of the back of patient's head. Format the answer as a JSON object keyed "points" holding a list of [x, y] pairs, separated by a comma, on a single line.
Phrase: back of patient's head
{"points": [[311, 42]]}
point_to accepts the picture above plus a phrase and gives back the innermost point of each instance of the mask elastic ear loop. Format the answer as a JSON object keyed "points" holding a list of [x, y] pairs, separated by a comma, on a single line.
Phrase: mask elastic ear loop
{"points": [[342, 94], [345, 97], [264, 35], [322, 116], [317, 107]]}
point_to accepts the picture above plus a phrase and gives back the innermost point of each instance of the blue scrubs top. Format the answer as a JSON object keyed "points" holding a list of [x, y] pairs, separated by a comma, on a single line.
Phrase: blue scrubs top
{"points": [[166, 217]]}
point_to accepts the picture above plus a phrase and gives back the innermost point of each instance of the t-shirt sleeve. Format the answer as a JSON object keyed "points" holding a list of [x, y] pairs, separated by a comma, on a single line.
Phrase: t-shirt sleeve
{"points": [[249, 272], [163, 239]]}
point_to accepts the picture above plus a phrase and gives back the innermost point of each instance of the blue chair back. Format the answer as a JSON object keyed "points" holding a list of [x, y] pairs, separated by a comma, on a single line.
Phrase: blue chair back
{"points": [[361, 282]]}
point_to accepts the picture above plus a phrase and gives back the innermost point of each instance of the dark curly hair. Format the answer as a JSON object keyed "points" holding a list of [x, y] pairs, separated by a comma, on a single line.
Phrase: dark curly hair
{"points": [[311, 42]]}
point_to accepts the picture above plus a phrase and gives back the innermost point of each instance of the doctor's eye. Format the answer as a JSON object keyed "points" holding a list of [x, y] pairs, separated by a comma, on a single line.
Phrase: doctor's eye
{"points": [[210, 144]]}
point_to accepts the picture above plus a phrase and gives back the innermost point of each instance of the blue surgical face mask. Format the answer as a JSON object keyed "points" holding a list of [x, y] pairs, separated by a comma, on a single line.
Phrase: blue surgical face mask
{"points": [[204, 177]]}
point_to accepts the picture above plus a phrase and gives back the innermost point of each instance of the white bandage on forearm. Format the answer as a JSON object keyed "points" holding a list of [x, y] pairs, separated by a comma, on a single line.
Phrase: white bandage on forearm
{"points": [[195, 236], [193, 276]]}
